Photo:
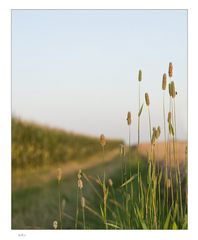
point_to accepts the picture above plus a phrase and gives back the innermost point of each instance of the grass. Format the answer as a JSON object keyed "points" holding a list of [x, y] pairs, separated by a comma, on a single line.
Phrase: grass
{"points": [[130, 192], [30, 204], [35, 146]]}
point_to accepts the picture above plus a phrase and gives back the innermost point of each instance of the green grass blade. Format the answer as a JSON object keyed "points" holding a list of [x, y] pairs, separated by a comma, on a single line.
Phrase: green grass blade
{"points": [[174, 227], [113, 225], [166, 224], [142, 222], [184, 225], [129, 180]]}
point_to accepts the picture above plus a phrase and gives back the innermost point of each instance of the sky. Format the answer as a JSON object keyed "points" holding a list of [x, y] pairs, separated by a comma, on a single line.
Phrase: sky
{"points": [[78, 69]]}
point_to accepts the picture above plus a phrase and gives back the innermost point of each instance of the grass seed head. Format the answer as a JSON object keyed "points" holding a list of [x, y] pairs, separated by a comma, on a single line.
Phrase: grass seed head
{"points": [[155, 135], [122, 150], [169, 117], [110, 182], [173, 92], [147, 100], [158, 131], [55, 224], [164, 82], [169, 90], [102, 140], [59, 174], [140, 76], [79, 174], [129, 118], [170, 70], [80, 184]]}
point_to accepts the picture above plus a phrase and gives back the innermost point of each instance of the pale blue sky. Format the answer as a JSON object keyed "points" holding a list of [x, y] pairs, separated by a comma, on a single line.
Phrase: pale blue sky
{"points": [[77, 69]]}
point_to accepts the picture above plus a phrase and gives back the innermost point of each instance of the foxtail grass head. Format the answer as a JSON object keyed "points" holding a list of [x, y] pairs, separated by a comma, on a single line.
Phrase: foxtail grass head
{"points": [[155, 135], [169, 117], [102, 140], [158, 132], [129, 118], [147, 100], [80, 184], [122, 150], [170, 70], [55, 224], [79, 174], [110, 182], [59, 174], [172, 88], [140, 76], [164, 82]]}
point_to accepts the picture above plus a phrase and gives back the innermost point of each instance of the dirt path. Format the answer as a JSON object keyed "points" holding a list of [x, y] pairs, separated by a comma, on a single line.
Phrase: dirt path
{"points": [[37, 177]]}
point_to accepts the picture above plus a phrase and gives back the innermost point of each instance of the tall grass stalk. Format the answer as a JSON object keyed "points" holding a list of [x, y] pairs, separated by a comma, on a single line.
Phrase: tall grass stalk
{"points": [[139, 114], [103, 143], [129, 124], [59, 177], [165, 202], [164, 115], [79, 187], [139, 79], [104, 212], [117, 205], [82, 200], [129, 120], [177, 160], [77, 210], [83, 208], [105, 190], [147, 100], [123, 163], [170, 73]]}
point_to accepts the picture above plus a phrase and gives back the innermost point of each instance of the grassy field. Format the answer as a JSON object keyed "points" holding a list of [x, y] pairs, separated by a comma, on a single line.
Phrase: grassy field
{"points": [[63, 180], [37, 152], [35, 194], [35, 146], [35, 189]]}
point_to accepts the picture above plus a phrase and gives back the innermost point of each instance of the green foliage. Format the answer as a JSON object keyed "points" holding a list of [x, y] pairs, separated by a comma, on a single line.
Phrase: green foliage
{"points": [[124, 209], [36, 146]]}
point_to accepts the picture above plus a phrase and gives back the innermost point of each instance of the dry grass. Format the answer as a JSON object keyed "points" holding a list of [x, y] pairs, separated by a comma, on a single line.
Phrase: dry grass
{"points": [[144, 148]]}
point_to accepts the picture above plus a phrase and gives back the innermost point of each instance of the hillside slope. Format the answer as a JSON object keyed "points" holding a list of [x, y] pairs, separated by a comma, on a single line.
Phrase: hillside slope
{"points": [[34, 145]]}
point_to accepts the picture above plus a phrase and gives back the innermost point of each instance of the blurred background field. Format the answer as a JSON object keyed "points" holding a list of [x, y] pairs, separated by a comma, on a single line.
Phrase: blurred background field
{"points": [[37, 152]]}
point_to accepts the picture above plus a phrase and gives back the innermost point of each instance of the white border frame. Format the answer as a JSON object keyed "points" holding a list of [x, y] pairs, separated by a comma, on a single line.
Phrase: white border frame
{"points": [[5, 120]]}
